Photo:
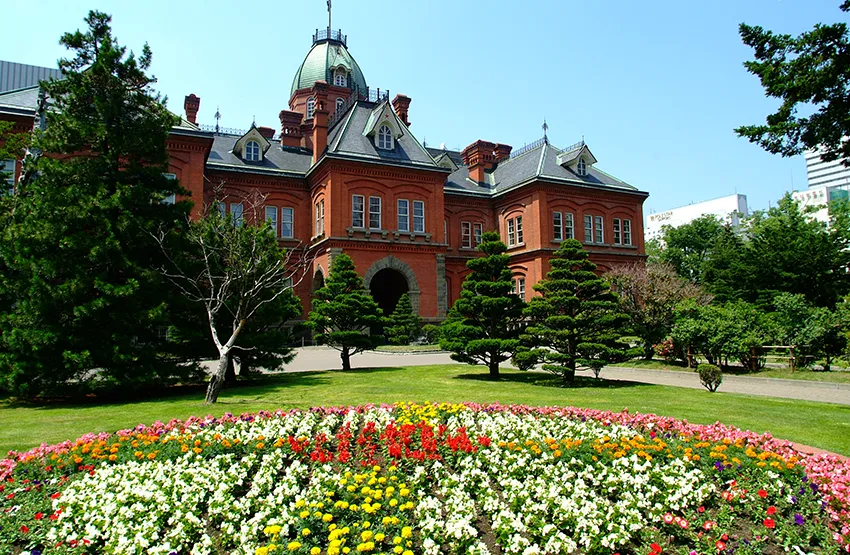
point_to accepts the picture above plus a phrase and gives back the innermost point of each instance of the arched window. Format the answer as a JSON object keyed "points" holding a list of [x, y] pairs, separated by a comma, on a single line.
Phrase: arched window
{"points": [[385, 138], [340, 78], [581, 168], [339, 103], [252, 151], [311, 107]]}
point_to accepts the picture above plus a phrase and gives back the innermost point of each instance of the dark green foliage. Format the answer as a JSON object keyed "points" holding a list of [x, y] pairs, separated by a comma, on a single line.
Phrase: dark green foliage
{"points": [[343, 311], [484, 325], [687, 246], [710, 376], [812, 72], [76, 250], [431, 333], [576, 321], [815, 332], [404, 325]]}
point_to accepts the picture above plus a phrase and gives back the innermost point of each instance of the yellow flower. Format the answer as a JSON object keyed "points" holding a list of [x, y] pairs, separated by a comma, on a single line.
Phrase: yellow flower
{"points": [[262, 551], [305, 532], [397, 541], [272, 530], [292, 546], [379, 537], [300, 503], [406, 532], [327, 517], [398, 549], [315, 551], [366, 535], [304, 514]]}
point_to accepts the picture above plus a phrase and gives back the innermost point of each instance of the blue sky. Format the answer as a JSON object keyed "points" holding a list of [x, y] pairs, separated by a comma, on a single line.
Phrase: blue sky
{"points": [[655, 88]]}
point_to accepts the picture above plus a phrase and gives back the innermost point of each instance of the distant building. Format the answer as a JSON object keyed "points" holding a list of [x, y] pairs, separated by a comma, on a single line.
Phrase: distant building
{"points": [[729, 209], [15, 76], [820, 173], [819, 197]]}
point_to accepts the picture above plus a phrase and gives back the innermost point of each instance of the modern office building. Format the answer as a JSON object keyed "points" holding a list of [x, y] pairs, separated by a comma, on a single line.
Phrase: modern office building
{"points": [[730, 209]]}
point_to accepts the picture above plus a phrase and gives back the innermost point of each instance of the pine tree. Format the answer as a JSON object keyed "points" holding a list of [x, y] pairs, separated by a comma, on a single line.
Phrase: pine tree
{"points": [[76, 238], [484, 325], [343, 311], [576, 320], [404, 324]]}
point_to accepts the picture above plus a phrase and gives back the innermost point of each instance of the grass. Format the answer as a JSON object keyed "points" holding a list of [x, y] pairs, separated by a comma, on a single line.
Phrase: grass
{"points": [[408, 348], [822, 425], [834, 376]]}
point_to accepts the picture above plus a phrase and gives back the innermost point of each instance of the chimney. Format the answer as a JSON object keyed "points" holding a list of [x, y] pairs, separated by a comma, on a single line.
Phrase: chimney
{"points": [[320, 119], [192, 104], [290, 128], [503, 152], [266, 132], [401, 104], [479, 156]]}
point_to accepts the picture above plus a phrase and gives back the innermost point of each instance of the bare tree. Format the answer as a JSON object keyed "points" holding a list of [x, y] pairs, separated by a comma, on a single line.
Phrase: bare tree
{"points": [[233, 265], [648, 294]]}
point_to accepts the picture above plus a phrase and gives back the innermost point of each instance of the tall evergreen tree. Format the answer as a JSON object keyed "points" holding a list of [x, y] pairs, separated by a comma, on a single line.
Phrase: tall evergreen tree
{"points": [[404, 325], [576, 320], [343, 312], [77, 241], [484, 324]]}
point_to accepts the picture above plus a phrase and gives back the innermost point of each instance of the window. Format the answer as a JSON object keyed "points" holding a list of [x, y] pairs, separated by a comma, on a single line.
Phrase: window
{"points": [[357, 211], [569, 231], [581, 167], [374, 212], [252, 151], [221, 209], [558, 226], [271, 217], [170, 199], [418, 216], [320, 218], [236, 214], [287, 218], [588, 229], [311, 107], [446, 231], [519, 230], [479, 231], [511, 234], [340, 79], [598, 231], [7, 168], [385, 138], [627, 232], [520, 288], [617, 236], [466, 235], [403, 215], [339, 104]]}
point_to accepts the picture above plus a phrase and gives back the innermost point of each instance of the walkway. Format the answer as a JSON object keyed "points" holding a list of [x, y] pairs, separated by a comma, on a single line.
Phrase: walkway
{"points": [[321, 358]]}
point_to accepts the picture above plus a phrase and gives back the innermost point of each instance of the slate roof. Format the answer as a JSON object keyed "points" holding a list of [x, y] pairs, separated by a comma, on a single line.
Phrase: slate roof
{"points": [[277, 159], [20, 100]]}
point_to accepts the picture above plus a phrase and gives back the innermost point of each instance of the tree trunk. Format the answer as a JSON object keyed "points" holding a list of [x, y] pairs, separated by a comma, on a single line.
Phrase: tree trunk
{"points": [[230, 374], [217, 380], [494, 369], [648, 351], [346, 359], [569, 375]]}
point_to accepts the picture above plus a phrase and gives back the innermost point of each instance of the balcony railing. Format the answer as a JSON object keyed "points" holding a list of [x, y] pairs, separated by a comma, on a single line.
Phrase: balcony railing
{"points": [[330, 34]]}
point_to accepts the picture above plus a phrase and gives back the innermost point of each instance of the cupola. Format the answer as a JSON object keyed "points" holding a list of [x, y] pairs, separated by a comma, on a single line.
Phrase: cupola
{"points": [[330, 61]]}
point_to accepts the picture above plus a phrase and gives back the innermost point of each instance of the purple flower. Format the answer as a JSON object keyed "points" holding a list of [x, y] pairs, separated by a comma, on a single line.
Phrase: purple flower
{"points": [[814, 487], [798, 519], [719, 465], [793, 499]]}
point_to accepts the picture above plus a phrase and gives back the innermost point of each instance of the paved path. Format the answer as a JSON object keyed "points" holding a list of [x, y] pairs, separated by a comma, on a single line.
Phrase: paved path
{"points": [[321, 358]]}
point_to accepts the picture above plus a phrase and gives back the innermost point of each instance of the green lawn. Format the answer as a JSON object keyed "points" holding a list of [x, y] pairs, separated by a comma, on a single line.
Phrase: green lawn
{"points": [[408, 348], [836, 375], [819, 424]]}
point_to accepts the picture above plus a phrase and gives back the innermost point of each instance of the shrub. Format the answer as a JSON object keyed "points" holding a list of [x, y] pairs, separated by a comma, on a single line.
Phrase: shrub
{"points": [[710, 376], [431, 333]]}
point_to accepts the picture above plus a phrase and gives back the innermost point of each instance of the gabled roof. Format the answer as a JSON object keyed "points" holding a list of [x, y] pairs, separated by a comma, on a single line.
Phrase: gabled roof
{"points": [[575, 152], [252, 134], [277, 159], [384, 113]]}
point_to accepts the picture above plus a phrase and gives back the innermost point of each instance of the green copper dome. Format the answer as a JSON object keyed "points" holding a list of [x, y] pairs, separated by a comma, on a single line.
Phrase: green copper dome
{"points": [[325, 56]]}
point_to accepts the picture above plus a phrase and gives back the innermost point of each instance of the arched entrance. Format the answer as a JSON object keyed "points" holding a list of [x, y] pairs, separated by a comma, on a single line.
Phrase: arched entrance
{"points": [[318, 280], [387, 287]]}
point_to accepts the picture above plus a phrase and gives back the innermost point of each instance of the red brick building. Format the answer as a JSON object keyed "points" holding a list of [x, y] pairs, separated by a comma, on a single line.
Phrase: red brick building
{"points": [[345, 173]]}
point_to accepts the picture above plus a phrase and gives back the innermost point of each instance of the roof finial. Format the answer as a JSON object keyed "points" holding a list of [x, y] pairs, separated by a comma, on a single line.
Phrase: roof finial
{"points": [[217, 118], [545, 131], [254, 121], [329, 19]]}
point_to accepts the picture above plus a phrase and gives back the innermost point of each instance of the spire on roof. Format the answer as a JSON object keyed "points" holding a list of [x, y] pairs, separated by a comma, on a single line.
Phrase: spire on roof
{"points": [[545, 131], [217, 117]]}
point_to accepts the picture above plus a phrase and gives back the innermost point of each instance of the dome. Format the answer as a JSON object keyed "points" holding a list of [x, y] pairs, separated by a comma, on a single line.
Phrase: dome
{"points": [[327, 54]]}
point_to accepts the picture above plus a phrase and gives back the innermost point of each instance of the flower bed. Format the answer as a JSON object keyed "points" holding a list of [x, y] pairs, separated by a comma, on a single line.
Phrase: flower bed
{"points": [[431, 479]]}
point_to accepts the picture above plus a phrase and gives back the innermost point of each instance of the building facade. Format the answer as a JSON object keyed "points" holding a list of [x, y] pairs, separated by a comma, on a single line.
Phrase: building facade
{"points": [[730, 209], [345, 173], [825, 174]]}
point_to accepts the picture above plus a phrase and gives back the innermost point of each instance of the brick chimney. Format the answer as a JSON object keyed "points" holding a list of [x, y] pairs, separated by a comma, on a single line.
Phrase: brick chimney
{"points": [[503, 152], [480, 156], [192, 104], [290, 128], [401, 104], [266, 132], [320, 119]]}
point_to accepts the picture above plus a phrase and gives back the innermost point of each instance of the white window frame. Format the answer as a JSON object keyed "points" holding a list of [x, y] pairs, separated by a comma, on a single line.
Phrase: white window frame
{"points": [[627, 232], [374, 212], [252, 151], [271, 217], [358, 211], [287, 222], [557, 226], [311, 107], [478, 233], [237, 214], [320, 218], [418, 216], [384, 137], [588, 228], [519, 236], [8, 167], [340, 73], [520, 287], [569, 226], [170, 199], [403, 215], [511, 235], [466, 235], [599, 229], [581, 167], [618, 238]]}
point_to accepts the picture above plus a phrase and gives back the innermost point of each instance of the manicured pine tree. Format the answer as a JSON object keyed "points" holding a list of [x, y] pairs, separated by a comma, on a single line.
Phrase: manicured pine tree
{"points": [[343, 312], [576, 320], [404, 325], [484, 325], [77, 240]]}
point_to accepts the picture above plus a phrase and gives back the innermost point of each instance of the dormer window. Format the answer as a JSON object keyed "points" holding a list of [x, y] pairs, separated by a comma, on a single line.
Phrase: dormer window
{"points": [[311, 107], [384, 138], [340, 78], [581, 167], [252, 151], [339, 104]]}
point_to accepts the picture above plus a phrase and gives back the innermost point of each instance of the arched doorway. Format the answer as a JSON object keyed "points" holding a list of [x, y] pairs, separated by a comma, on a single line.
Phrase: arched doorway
{"points": [[387, 286], [318, 280]]}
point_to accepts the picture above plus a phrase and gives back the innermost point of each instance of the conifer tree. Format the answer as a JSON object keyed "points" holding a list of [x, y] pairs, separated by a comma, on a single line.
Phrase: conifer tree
{"points": [[404, 324], [343, 312], [484, 325], [576, 320], [76, 234]]}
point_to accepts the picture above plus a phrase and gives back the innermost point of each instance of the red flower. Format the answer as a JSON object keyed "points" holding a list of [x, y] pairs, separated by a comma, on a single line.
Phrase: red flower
{"points": [[655, 548], [769, 523], [771, 510], [39, 516], [668, 518], [55, 495], [701, 510], [720, 546], [10, 496], [724, 537], [683, 524], [25, 529], [708, 525], [762, 493]]}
